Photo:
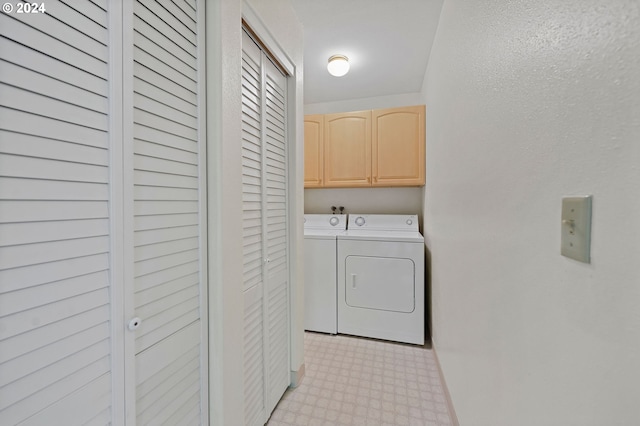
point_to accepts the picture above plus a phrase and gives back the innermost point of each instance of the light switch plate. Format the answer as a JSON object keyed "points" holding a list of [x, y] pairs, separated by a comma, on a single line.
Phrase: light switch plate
{"points": [[576, 228]]}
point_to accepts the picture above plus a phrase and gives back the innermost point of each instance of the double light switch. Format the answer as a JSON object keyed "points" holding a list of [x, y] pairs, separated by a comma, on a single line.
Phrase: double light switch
{"points": [[576, 228]]}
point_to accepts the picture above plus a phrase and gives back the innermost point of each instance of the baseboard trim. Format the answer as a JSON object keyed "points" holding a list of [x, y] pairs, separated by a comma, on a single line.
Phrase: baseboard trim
{"points": [[447, 395], [296, 376]]}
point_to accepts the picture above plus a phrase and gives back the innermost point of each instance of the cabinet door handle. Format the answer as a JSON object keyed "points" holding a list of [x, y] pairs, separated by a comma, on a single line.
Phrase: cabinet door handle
{"points": [[353, 281]]}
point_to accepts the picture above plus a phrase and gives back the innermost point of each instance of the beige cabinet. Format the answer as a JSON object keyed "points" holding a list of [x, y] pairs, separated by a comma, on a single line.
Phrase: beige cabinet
{"points": [[347, 149], [397, 148], [384, 147], [313, 151]]}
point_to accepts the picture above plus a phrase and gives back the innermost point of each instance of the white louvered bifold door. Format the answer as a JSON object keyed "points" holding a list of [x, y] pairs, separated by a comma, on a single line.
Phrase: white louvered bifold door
{"points": [[102, 214], [55, 331], [170, 378], [277, 270], [253, 233], [265, 236]]}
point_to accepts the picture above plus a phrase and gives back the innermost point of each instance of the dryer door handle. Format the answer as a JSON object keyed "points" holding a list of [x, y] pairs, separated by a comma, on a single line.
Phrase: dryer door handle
{"points": [[353, 280]]}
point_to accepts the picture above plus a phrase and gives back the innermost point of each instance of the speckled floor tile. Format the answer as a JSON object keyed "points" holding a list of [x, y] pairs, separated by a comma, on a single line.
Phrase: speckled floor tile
{"points": [[357, 381]]}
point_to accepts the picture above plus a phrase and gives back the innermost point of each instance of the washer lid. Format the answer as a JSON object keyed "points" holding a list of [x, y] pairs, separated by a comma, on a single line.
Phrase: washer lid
{"points": [[377, 235], [322, 234]]}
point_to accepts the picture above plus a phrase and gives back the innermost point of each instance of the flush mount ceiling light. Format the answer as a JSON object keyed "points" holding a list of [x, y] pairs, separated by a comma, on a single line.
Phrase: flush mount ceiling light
{"points": [[338, 65]]}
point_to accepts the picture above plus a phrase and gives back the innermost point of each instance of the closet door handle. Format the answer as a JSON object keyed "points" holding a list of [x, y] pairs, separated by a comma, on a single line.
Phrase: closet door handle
{"points": [[134, 323]]}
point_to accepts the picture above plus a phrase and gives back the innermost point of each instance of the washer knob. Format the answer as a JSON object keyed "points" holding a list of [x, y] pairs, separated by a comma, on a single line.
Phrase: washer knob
{"points": [[360, 221], [409, 222], [334, 221]]}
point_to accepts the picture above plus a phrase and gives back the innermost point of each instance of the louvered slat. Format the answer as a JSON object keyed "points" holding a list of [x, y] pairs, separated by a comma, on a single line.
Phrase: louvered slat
{"points": [[41, 337], [24, 79], [145, 72], [92, 11], [54, 195], [46, 148], [159, 370], [42, 273], [165, 221], [254, 368], [79, 407], [26, 33], [251, 175], [36, 125], [171, 373]]}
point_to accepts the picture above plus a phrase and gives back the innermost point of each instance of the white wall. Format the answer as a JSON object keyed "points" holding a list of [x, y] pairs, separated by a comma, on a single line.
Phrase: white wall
{"points": [[529, 102], [365, 200], [224, 40], [377, 102]]}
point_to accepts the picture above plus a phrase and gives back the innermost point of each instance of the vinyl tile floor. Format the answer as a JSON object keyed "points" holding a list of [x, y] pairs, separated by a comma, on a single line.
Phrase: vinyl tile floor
{"points": [[358, 381]]}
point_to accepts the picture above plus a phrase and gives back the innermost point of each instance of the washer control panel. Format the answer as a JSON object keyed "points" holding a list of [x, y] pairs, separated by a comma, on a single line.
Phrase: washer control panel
{"points": [[334, 222], [383, 222]]}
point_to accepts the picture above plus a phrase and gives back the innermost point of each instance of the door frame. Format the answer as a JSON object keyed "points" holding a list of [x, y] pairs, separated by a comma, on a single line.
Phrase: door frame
{"points": [[295, 186]]}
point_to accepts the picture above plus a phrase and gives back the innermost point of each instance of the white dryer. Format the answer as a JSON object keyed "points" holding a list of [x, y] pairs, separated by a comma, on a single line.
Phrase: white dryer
{"points": [[320, 276], [381, 289]]}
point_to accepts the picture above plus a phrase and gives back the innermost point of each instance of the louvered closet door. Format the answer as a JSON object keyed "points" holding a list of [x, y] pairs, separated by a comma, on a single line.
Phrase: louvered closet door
{"points": [[253, 233], [266, 269], [168, 213], [277, 270], [55, 333]]}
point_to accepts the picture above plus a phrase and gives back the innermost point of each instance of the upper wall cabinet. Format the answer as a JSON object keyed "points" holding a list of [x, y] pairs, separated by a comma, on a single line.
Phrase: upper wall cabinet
{"points": [[347, 149], [313, 151], [397, 149], [366, 148]]}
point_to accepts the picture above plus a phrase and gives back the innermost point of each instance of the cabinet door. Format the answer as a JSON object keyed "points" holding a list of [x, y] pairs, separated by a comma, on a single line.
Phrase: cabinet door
{"points": [[398, 146], [313, 151], [347, 149]]}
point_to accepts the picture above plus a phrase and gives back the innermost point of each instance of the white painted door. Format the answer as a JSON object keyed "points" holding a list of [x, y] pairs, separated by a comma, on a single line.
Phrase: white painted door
{"points": [[277, 267], [55, 302], [102, 214], [253, 234], [265, 233], [168, 213]]}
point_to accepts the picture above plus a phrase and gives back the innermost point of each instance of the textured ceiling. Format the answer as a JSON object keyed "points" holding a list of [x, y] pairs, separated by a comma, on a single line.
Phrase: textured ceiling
{"points": [[387, 41]]}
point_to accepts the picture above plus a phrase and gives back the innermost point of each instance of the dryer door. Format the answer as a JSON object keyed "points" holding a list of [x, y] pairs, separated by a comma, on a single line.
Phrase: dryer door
{"points": [[381, 283]]}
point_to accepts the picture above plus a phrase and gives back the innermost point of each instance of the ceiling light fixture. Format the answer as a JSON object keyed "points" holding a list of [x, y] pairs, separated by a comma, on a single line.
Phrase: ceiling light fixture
{"points": [[338, 65]]}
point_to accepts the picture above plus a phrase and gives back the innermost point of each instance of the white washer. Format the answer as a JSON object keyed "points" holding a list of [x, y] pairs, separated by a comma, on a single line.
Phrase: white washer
{"points": [[320, 276], [381, 278]]}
